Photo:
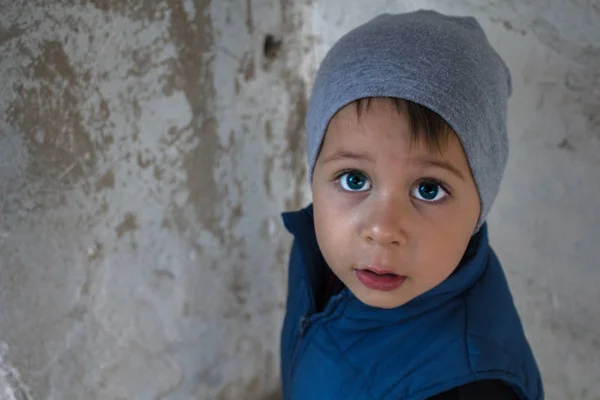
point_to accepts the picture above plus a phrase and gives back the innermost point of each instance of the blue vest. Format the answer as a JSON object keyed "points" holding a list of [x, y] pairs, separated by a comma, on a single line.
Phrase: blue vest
{"points": [[465, 329]]}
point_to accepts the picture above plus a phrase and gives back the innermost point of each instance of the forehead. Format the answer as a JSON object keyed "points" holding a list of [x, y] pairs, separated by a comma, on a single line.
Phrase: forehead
{"points": [[379, 121], [385, 129]]}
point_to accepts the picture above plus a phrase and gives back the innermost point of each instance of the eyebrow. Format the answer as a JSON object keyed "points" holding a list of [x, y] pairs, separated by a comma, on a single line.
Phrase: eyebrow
{"points": [[424, 162], [342, 154], [441, 164]]}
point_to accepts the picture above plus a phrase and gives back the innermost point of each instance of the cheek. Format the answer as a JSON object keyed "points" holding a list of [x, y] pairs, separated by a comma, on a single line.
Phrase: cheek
{"points": [[449, 227], [439, 264], [332, 229]]}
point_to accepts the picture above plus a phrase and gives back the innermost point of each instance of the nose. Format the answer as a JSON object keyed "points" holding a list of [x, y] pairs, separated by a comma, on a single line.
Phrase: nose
{"points": [[386, 223]]}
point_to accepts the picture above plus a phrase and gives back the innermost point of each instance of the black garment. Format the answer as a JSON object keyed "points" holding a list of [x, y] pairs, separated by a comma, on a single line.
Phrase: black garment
{"points": [[479, 390]]}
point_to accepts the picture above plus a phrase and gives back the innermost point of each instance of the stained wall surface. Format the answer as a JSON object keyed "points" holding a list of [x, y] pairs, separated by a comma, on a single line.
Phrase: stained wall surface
{"points": [[148, 147]]}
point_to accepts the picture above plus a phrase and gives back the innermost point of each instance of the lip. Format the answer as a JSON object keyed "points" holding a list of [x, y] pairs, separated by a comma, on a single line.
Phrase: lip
{"points": [[379, 278]]}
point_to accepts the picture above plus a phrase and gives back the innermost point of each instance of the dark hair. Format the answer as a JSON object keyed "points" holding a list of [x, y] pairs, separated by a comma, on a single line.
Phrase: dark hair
{"points": [[426, 125]]}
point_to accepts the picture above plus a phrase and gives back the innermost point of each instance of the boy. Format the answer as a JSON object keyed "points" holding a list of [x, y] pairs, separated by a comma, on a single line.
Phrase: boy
{"points": [[394, 292]]}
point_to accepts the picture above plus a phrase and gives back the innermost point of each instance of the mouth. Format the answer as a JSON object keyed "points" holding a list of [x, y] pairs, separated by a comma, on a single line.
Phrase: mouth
{"points": [[379, 279]]}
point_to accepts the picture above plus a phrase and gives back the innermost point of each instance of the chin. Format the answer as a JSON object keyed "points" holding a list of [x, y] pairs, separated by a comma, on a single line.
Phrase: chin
{"points": [[380, 301]]}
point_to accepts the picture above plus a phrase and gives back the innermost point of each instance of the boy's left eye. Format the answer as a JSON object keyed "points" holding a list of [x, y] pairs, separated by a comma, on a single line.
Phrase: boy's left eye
{"points": [[429, 191]]}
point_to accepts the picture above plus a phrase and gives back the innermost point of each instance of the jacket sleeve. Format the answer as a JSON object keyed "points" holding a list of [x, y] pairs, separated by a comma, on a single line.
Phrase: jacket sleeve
{"points": [[484, 389]]}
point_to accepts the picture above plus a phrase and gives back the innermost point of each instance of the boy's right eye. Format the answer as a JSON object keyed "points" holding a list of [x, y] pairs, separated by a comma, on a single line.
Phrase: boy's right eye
{"points": [[354, 181]]}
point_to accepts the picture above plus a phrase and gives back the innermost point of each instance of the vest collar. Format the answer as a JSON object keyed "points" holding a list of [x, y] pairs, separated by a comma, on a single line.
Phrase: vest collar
{"points": [[301, 225]]}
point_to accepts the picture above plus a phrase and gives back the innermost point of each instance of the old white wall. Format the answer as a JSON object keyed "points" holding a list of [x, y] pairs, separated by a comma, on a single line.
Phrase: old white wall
{"points": [[146, 151], [147, 148]]}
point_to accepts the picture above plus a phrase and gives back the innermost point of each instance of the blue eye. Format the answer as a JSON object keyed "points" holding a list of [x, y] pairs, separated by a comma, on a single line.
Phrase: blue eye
{"points": [[429, 191], [354, 182]]}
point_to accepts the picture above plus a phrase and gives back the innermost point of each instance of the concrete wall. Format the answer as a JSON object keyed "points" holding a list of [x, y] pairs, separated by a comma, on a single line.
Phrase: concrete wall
{"points": [[147, 148]]}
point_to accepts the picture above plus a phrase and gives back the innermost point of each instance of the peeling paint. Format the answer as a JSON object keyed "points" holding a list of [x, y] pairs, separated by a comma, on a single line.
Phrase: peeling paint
{"points": [[106, 181], [11, 384], [129, 224], [47, 113]]}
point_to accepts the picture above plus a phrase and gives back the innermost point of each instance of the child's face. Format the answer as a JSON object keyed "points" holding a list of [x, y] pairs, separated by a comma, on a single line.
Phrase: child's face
{"points": [[384, 204]]}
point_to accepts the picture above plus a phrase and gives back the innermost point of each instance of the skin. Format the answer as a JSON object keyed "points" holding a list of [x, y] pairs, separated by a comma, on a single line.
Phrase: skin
{"points": [[388, 224]]}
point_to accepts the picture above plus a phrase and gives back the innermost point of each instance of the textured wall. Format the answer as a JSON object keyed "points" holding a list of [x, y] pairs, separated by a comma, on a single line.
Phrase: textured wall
{"points": [[147, 148]]}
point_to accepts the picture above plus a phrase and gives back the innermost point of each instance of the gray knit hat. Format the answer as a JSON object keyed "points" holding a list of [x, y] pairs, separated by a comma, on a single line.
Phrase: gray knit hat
{"points": [[442, 62]]}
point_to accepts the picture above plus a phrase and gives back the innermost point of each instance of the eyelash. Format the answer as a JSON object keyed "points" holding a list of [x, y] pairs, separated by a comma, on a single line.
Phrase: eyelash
{"points": [[336, 177], [336, 181]]}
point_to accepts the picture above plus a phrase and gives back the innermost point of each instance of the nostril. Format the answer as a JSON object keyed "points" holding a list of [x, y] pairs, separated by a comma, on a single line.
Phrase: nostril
{"points": [[385, 240]]}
